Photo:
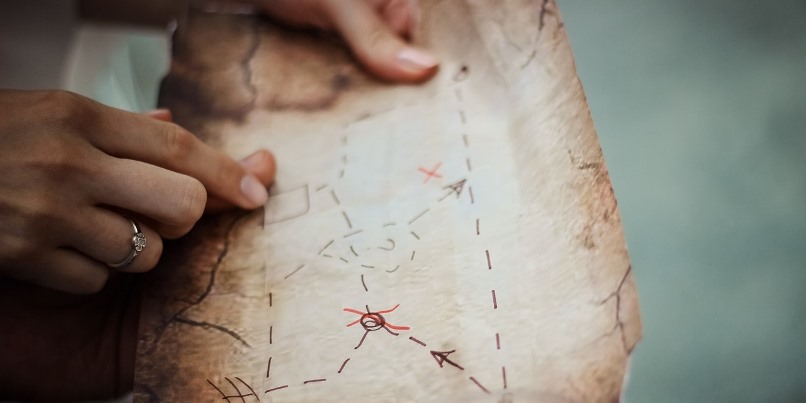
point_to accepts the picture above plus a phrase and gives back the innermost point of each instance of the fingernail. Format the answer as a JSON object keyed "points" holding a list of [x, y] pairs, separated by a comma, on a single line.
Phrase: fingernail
{"points": [[254, 160], [417, 59], [254, 190]]}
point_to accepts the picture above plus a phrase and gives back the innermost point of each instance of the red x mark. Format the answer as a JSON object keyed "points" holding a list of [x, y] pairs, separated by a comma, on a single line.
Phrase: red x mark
{"points": [[431, 173]]}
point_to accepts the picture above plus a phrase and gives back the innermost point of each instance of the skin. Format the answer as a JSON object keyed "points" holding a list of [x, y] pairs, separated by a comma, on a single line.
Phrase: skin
{"points": [[73, 170]]}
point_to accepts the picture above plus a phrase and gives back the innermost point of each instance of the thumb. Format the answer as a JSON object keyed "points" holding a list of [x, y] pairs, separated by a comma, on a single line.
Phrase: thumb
{"points": [[377, 46]]}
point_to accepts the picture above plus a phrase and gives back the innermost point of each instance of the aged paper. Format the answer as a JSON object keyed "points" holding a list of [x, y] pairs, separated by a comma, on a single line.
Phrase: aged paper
{"points": [[453, 241]]}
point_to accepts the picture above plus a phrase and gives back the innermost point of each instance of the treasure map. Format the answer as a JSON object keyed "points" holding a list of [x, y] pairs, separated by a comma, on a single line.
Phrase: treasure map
{"points": [[456, 240]]}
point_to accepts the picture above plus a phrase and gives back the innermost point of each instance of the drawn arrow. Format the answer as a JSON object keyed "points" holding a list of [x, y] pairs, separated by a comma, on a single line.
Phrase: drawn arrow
{"points": [[442, 357], [457, 187]]}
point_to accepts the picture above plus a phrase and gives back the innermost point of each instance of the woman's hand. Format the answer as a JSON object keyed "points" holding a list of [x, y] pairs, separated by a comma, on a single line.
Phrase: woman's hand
{"points": [[375, 31], [73, 171]]}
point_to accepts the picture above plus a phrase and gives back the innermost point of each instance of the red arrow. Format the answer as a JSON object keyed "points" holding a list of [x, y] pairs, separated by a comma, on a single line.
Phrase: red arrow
{"points": [[442, 357]]}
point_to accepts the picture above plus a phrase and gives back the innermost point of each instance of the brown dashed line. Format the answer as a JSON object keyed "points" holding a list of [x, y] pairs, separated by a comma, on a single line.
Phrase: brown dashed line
{"points": [[342, 365], [445, 196], [271, 330], [321, 187], [344, 158], [415, 235], [469, 168], [268, 369], [458, 93], [495, 302], [367, 266], [326, 255], [470, 190], [504, 375], [389, 224], [412, 254], [292, 273], [314, 380], [344, 140], [489, 263], [269, 299], [277, 388], [344, 260], [363, 283], [477, 227], [479, 385], [392, 271], [464, 139], [391, 242], [419, 215], [341, 174], [353, 250], [417, 341], [326, 246], [497, 342], [462, 116], [358, 231], [349, 223], [335, 199]]}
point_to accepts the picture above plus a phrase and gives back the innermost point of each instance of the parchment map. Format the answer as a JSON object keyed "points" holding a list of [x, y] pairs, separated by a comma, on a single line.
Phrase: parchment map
{"points": [[456, 241]]}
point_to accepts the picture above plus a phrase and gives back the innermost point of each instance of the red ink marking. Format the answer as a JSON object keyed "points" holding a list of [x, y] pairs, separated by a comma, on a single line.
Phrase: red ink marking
{"points": [[497, 342], [477, 227], [363, 283], [442, 357], [314, 380], [504, 375], [489, 263], [495, 302], [431, 173], [479, 385], [412, 338], [277, 388], [268, 368], [470, 190], [342, 365], [373, 321]]}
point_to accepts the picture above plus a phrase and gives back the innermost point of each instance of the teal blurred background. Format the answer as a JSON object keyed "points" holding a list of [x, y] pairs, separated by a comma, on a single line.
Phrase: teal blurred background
{"points": [[701, 111]]}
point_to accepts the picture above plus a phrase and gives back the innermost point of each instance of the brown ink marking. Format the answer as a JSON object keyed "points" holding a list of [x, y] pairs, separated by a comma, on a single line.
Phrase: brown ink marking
{"points": [[432, 173], [326, 246], [495, 302], [362, 340], [367, 266], [462, 74], [392, 245], [465, 140], [277, 388], [479, 385], [497, 342], [419, 215], [271, 334], [314, 380], [335, 198], [458, 92], [326, 255], [353, 250], [470, 190], [389, 224], [392, 271], [344, 260], [489, 263], [442, 357], [477, 227], [341, 173], [412, 338], [292, 273], [415, 235], [462, 116], [455, 188], [469, 168], [412, 254], [344, 158], [250, 388], [321, 187], [269, 299], [223, 395], [504, 375], [342, 365], [363, 283], [349, 223], [291, 217], [358, 231], [238, 391], [268, 368]]}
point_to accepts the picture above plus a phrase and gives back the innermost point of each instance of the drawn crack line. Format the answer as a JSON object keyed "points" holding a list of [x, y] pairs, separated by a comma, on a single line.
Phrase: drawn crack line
{"points": [[619, 323]]}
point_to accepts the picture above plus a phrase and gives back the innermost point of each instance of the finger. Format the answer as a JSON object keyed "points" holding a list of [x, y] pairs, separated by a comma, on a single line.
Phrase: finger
{"points": [[161, 114], [261, 164], [399, 15], [376, 45], [173, 200], [106, 236], [69, 271], [134, 136]]}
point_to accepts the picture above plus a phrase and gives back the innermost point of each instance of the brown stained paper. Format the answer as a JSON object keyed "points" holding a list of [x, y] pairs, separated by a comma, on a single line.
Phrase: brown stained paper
{"points": [[452, 241]]}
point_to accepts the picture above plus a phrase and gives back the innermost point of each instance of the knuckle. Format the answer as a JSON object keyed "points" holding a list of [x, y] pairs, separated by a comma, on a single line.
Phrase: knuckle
{"points": [[18, 248], [68, 109], [180, 142], [189, 203]]}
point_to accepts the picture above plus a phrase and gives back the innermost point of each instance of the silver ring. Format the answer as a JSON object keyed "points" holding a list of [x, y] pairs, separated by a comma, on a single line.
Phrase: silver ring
{"points": [[138, 244]]}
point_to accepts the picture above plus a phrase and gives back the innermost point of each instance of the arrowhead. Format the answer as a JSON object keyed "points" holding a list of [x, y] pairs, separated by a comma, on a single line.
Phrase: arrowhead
{"points": [[442, 357], [457, 187]]}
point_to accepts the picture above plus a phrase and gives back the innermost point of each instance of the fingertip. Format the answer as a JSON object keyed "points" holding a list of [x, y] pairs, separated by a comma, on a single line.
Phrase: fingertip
{"points": [[164, 115], [407, 64], [262, 165]]}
